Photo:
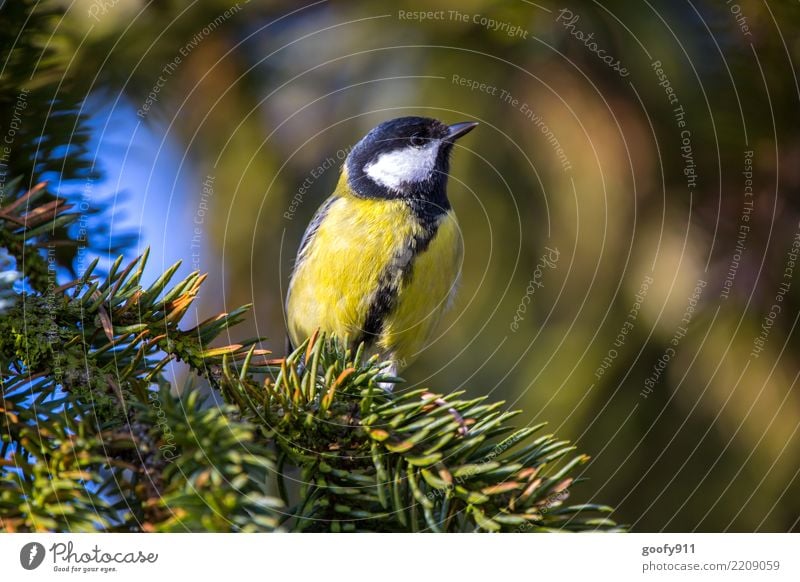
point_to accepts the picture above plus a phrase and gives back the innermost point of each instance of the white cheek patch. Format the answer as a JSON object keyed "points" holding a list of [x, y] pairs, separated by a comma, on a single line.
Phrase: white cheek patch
{"points": [[407, 165]]}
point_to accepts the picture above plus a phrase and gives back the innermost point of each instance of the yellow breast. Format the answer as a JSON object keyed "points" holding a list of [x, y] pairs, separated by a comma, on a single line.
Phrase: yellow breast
{"points": [[426, 295], [359, 246]]}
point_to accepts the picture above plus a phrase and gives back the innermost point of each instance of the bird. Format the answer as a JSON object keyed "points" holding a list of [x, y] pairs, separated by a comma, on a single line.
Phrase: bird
{"points": [[380, 260]]}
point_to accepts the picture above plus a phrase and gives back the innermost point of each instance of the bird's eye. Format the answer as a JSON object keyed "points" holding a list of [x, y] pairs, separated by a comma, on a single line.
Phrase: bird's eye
{"points": [[417, 141]]}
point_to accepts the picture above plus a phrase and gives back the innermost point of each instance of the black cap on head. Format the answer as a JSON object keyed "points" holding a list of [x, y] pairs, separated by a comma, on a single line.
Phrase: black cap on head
{"points": [[406, 157]]}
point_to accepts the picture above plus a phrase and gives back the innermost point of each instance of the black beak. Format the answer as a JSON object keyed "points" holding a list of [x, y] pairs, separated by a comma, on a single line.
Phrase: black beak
{"points": [[458, 130]]}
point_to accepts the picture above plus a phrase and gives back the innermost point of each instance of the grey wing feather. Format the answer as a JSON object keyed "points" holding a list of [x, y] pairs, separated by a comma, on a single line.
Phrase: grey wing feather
{"points": [[308, 236], [313, 227]]}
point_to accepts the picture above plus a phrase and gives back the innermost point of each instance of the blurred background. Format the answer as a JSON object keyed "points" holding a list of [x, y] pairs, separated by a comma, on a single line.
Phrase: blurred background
{"points": [[629, 205]]}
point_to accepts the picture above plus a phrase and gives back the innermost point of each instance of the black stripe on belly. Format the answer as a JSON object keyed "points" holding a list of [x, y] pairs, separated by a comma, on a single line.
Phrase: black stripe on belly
{"points": [[399, 271]]}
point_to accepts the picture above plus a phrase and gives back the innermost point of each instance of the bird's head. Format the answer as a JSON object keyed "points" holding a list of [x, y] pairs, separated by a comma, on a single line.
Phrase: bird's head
{"points": [[407, 157]]}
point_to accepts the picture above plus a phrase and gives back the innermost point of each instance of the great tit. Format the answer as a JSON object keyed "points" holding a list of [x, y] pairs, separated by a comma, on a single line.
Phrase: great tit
{"points": [[380, 260]]}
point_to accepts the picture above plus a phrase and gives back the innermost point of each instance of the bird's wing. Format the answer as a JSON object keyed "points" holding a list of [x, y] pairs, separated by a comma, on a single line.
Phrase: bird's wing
{"points": [[305, 243], [313, 227]]}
